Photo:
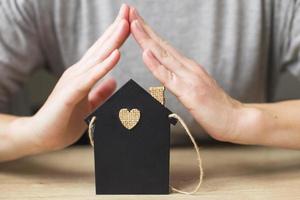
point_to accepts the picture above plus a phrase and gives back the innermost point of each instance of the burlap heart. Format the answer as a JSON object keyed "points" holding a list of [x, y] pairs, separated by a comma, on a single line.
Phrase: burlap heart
{"points": [[129, 119]]}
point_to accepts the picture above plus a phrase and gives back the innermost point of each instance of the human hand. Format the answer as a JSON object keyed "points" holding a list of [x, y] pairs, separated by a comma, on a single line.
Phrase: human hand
{"points": [[219, 114], [60, 121]]}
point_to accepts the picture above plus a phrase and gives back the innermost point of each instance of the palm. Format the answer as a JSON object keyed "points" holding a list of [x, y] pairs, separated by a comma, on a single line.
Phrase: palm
{"points": [[60, 121]]}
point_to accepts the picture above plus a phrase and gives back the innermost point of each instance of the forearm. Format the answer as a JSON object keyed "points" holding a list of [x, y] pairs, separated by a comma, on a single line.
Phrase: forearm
{"points": [[271, 124], [15, 138], [222, 117]]}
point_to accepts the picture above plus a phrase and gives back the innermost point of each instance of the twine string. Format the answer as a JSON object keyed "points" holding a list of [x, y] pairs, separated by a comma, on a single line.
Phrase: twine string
{"points": [[174, 115], [91, 129]]}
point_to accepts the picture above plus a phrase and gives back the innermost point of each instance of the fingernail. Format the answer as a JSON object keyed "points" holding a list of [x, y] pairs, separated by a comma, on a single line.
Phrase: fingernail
{"points": [[121, 10], [149, 53], [112, 54], [136, 12], [122, 6], [138, 25], [116, 51]]}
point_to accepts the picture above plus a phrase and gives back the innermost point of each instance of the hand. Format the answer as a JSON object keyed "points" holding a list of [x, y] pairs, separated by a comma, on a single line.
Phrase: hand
{"points": [[60, 121], [216, 111]]}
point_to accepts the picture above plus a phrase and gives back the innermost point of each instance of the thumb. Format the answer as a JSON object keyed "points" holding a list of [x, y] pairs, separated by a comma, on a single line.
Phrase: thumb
{"points": [[101, 92]]}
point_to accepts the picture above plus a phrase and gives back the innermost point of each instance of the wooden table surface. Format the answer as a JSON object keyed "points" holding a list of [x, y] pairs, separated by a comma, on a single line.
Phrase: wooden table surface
{"points": [[230, 173]]}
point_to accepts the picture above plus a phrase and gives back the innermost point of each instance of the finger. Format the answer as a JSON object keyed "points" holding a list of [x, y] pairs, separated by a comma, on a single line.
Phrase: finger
{"points": [[101, 92], [115, 41], [91, 77], [166, 77], [161, 54], [134, 15], [123, 14]]}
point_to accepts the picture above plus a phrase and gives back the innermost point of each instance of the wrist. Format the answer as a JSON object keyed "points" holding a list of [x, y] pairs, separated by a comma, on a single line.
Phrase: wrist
{"points": [[22, 137], [251, 125]]}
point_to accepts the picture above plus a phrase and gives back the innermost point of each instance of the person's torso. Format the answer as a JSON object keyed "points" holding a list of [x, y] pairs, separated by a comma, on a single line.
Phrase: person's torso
{"points": [[230, 39]]}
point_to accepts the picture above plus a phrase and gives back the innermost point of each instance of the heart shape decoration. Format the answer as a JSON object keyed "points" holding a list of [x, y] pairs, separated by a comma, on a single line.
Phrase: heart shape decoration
{"points": [[129, 119]]}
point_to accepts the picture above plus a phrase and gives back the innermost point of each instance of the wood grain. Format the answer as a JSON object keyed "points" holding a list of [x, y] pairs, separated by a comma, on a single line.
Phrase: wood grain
{"points": [[230, 173]]}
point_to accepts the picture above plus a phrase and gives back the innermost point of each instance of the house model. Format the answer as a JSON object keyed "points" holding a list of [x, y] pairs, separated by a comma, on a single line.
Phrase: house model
{"points": [[132, 142]]}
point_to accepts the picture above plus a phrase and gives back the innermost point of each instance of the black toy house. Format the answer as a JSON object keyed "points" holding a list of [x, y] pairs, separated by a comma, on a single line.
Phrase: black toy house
{"points": [[132, 143]]}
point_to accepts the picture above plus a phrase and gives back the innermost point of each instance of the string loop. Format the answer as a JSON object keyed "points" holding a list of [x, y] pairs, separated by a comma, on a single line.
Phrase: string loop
{"points": [[174, 115], [91, 129]]}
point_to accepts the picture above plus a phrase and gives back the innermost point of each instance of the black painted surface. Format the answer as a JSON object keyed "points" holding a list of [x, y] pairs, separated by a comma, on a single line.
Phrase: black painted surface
{"points": [[132, 161]]}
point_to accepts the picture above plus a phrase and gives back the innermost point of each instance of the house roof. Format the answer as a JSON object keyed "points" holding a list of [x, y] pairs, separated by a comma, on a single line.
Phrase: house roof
{"points": [[132, 90]]}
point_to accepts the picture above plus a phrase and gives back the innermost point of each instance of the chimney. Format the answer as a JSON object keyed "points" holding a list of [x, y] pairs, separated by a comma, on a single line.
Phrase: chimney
{"points": [[158, 93]]}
